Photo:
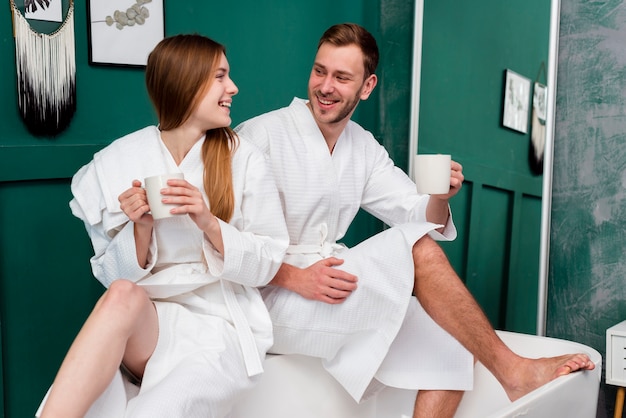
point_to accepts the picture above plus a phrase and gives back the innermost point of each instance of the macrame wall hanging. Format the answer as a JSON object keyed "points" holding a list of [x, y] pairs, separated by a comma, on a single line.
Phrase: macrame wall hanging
{"points": [[46, 74], [538, 124]]}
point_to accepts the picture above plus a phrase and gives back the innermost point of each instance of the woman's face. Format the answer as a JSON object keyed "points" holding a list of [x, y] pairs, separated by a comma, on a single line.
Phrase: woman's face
{"points": [[214, 108]]}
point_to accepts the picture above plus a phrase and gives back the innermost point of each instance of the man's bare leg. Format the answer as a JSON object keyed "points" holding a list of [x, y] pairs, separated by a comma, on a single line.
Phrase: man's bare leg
{"points": [[437, 403], [123, 326], [446, 299]]}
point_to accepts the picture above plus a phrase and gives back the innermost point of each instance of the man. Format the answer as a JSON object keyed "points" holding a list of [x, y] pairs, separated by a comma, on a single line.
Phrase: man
{"points": [[353, 307]]}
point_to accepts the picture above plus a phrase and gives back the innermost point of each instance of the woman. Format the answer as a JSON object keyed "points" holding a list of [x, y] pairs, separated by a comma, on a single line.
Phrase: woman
{"points": [[185, 320]]}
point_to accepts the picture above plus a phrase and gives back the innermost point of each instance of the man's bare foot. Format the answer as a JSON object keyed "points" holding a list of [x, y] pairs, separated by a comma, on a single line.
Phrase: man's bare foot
{"points": [[530, 374]]}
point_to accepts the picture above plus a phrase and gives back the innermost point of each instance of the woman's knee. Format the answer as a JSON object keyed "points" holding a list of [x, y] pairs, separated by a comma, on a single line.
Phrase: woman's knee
{"points": [[125, 297]]}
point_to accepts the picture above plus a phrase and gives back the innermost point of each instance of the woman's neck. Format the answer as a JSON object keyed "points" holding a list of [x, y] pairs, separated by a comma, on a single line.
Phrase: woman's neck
{"points": [[179, 141]]}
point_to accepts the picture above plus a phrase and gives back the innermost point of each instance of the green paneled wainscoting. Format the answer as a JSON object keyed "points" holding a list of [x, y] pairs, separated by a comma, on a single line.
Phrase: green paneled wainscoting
{"points": [[496, 253], [46, 285]]}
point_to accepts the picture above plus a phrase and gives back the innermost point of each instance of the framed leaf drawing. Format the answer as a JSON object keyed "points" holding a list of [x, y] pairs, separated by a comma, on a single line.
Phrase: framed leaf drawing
{"points": [[124, 32]]}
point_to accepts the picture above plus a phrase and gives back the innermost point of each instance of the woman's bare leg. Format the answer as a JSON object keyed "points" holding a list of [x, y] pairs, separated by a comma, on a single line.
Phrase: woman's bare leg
{"points": [[123, 326]]}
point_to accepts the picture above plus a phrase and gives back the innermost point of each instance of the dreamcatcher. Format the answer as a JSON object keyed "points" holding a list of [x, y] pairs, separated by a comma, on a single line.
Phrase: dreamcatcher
{"points": [[46, 72]]}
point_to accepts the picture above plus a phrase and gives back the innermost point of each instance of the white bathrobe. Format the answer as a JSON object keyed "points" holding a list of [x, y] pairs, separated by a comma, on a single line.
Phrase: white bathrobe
{"points": [[214, 327], [380, 331]]}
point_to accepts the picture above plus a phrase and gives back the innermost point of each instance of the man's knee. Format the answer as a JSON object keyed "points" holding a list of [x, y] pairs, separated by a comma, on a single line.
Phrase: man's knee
{"points": [[427, 250]]}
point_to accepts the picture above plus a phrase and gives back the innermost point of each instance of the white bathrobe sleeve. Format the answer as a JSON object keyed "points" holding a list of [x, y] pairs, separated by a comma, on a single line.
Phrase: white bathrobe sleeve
{"points": [[114, 248], [391, 196], [255, 239]]}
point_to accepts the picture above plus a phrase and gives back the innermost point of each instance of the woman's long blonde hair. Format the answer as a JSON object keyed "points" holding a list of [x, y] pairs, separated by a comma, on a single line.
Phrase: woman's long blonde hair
{"points": [[180, 70]]}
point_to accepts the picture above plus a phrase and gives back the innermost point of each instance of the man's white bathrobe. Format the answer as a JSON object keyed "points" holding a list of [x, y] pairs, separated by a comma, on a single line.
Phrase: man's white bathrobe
{"points": [[214, 327], [380, 331]]}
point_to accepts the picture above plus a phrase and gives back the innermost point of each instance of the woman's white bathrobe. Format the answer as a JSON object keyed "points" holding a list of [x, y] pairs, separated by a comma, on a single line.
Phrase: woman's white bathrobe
{"points": [[380, 330], [214, 326]]}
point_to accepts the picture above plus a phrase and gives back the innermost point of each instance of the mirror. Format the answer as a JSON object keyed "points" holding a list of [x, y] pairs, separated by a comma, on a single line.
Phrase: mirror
{"points": [[543, 199]]}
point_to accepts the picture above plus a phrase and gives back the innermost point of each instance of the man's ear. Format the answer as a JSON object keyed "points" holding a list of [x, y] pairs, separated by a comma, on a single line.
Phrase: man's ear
{"points": [[368, 86]]}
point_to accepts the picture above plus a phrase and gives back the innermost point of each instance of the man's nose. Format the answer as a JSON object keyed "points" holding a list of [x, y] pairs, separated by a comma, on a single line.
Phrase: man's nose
{"points": [[328, 85]]}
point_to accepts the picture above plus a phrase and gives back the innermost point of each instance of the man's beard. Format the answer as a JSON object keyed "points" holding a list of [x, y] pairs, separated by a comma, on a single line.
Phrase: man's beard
{"points": [[346, 109]]}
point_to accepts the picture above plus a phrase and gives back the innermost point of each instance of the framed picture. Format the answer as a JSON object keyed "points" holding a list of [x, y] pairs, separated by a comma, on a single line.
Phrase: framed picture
{"points": [[124, 32], [516, 102], [50, 10]]}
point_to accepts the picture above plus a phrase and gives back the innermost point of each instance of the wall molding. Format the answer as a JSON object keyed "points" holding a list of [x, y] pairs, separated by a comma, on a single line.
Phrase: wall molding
{"points": [[20, 163]]}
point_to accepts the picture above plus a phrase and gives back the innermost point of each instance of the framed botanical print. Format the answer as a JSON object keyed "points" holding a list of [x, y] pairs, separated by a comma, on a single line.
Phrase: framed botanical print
{"points": [[124, 32]]}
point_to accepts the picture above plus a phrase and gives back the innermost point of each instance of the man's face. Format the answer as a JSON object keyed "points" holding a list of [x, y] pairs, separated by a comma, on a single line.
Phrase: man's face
{"points": [[337, 83]]}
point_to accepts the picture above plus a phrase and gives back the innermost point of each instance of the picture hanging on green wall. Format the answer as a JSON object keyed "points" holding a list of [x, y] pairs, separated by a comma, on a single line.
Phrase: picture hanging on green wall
{"points": [[124, 32], [516, 102], [50, 10], [46, 74]]}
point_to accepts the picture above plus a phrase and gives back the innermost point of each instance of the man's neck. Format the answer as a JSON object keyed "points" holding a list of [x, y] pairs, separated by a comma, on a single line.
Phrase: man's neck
{"points": [[332, 135], [331, 131]]}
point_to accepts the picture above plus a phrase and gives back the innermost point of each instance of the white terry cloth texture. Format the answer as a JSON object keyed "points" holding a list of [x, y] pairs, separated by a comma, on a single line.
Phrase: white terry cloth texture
{"points": [[380, 331], [214, 328], [321, 193]]}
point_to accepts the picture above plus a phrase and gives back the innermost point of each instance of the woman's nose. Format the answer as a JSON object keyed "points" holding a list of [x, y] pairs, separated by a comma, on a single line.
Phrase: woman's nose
{"points": [[233, 89]]}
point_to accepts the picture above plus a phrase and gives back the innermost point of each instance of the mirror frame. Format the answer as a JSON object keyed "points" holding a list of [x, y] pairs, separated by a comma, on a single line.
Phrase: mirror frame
{"points": [[548, 164]]}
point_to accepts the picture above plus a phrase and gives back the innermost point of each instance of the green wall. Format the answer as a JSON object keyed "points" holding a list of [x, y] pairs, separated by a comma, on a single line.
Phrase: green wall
{"points": [[588, 234], [46, 286], [467, 46], [269, 49]]}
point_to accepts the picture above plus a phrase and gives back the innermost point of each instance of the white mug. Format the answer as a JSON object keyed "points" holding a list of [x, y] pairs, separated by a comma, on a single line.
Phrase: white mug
{"points": [[432, 173], [153, 187]]}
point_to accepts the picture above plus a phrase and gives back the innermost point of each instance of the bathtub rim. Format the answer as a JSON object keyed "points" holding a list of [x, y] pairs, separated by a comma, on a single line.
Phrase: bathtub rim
{"points": [[514, 338]]}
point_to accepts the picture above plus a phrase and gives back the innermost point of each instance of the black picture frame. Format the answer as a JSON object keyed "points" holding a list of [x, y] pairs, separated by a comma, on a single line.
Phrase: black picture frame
{"points": [[122, 33], [516, 101]]}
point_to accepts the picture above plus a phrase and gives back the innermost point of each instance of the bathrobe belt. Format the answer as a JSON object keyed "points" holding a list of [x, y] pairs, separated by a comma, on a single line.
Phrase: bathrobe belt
{"points": [[325, 249], [158, 288], [249, 349]]}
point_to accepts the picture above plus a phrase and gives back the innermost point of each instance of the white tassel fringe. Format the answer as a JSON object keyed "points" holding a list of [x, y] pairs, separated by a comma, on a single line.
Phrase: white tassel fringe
{"points": [[46, 75]]}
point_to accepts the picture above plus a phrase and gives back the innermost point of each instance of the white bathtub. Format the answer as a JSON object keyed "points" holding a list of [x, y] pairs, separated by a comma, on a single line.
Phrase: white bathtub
{"points": [[297, 386]]}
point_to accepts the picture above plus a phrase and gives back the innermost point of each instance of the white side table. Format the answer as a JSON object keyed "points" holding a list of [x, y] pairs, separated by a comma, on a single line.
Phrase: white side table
{"points": [[616, 363]]}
